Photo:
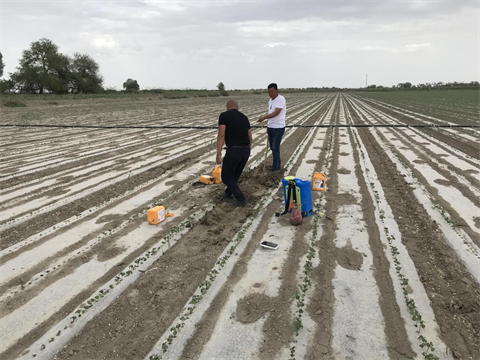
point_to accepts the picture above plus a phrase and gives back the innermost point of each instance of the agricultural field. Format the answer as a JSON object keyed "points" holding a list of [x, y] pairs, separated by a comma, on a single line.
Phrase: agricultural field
{"points": [[388, 267]]}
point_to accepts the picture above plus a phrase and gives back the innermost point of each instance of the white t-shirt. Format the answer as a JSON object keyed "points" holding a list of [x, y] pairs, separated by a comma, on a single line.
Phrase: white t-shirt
{"points": [[279, 120]]}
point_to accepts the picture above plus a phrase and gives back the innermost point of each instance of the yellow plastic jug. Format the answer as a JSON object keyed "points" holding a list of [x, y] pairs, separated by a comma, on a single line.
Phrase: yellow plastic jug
{"points": [[319, 182], [217, 174], [157, 215]]}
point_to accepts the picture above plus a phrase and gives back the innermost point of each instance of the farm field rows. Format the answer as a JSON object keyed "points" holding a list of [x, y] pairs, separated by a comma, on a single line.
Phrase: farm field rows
{"points": [[387, 268]]}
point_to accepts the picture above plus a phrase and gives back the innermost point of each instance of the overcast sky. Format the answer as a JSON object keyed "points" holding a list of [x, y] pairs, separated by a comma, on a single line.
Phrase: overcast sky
{"points": [[248, 44]]}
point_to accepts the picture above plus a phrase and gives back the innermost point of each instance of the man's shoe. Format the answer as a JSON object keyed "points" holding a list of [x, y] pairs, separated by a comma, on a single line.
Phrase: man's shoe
{"points": [[228, 199], [237, 203]]}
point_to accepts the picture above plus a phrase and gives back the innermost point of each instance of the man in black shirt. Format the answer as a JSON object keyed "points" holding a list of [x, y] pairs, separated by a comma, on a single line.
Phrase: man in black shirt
{"points": [[234, 130]]}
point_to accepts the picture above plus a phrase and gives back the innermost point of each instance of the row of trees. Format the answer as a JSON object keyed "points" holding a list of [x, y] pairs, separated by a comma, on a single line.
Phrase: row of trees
{"points": [[43, 69], [408, 85]]}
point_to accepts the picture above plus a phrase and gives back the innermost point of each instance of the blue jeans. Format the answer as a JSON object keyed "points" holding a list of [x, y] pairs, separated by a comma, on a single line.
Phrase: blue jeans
{"points": [[275, 138]]}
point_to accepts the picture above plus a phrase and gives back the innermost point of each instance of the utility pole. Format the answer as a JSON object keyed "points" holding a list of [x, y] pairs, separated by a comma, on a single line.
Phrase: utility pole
{"points": [[366, 80]]}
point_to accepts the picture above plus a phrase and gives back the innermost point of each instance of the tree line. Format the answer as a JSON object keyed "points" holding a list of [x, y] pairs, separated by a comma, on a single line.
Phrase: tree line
{"points": [[43, 69], [432, 85]]}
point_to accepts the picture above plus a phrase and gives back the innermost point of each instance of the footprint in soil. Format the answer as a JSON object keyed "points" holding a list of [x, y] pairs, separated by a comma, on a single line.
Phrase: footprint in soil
{"points": [[253, 307]]}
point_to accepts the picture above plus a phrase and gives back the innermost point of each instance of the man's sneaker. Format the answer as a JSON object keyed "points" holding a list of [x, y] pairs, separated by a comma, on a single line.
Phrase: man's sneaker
{"points": [[237, 203]]}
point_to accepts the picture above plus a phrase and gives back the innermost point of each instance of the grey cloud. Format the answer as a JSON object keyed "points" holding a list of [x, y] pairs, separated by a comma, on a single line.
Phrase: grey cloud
{"points": [[198, 43]]}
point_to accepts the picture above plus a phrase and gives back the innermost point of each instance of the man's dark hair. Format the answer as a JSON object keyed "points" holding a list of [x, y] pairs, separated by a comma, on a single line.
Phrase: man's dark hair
{"points": [[273, 85]]}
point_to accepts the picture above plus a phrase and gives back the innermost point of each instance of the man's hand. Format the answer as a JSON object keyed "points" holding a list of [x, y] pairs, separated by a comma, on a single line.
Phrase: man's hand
{"points": [[261, 118], [219, 159]]}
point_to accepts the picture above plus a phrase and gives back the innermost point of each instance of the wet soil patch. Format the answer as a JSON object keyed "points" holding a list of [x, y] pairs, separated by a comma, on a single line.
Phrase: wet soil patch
{"points": [[253, 307], [349, 258], [173, 182], [477, 221], [343, 171], [344, 154], [344, 199], [443, 182], [109, 252], [57, 192], [110, 217], [65, 179]]}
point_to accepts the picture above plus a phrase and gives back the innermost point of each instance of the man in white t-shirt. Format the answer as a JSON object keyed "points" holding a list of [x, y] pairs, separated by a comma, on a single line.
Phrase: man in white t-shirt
{"points": [[277, 111]]}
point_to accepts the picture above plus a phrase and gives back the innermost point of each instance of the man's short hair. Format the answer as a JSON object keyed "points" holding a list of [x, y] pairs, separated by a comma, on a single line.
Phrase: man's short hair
{"points": [[273, 85]]}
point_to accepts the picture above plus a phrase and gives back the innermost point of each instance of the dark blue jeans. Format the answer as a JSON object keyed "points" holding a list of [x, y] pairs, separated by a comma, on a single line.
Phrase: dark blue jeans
{"points": [[232, 167], [275, 138]]}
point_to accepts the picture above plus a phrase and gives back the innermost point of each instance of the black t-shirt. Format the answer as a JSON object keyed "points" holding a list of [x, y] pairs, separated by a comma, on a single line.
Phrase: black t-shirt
{"points": [[237, 126]]}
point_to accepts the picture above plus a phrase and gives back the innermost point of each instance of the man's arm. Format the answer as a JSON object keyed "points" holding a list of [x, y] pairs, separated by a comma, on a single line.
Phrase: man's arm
{"points": [[220, 142], [250, 136], [271, 115]]}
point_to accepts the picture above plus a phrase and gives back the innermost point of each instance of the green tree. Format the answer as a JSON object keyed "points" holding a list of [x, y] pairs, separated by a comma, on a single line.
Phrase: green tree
{"points": [[84, 75], [131, 85], [221, 88], [2, 65], [42, 68]]}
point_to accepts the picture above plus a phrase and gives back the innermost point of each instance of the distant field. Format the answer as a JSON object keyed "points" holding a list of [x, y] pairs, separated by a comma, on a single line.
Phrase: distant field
{"points": [[387, 268], [448, 105]]}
